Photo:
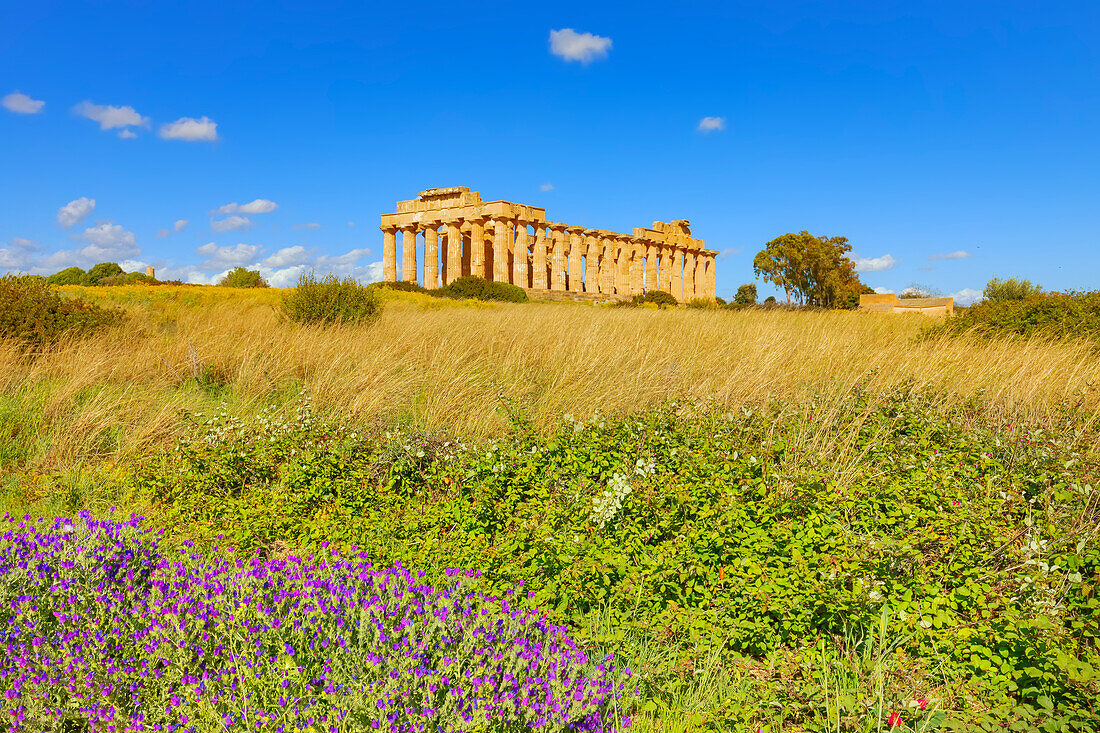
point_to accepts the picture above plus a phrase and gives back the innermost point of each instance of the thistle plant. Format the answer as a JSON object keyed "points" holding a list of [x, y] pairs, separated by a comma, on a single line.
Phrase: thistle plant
{"points": [[103, 630]]}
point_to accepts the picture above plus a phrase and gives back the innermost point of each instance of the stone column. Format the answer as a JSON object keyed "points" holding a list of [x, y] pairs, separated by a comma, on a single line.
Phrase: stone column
{"points": [[453, 230], [651, 269], [519, 260], [389, 254], [609, 264], [538, 259], [677, 273], [502, 235], [623, 265], [557, 260], [593, 261], [700, 275], [477, 246], [575, 252], [664, 271], [712, 281], [637, 249], [689, 275], [431, 255], [408, 254]]}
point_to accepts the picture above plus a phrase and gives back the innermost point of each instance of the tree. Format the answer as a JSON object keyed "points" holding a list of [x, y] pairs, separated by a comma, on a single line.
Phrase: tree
{"points": [[746, 294], [916, 290], [102, 271], [816, 270], [239, 277], [68, 276], [1010, 289]]}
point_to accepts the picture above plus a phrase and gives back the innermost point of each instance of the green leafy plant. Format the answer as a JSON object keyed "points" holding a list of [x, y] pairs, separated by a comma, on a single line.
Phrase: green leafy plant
{"points": [[68, 276], [746, 294], [34, 314], [1056, 315], [98, 273], [239, 277], [997, 290], [471, 286], [330, 300], [658, 298], [403, 286]]}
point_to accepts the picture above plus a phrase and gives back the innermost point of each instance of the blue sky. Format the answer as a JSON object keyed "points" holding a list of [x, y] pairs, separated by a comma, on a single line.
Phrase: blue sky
{"points": [[949, 141]]}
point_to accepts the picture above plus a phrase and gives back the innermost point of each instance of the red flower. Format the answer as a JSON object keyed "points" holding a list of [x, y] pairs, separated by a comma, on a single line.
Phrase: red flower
{"points": [[894, 720], [923, 702]]}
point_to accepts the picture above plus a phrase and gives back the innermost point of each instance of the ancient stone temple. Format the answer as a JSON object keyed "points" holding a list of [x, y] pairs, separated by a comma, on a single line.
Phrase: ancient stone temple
{"points": [[514, 243]]}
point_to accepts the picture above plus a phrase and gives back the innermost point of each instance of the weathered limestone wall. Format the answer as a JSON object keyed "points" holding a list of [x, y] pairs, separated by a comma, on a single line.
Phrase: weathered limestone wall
{"points": [[514, 243], [891, 303]]}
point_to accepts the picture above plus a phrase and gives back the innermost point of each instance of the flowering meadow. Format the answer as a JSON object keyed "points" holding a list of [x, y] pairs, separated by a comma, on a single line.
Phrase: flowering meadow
{"points": [[105, 630]]}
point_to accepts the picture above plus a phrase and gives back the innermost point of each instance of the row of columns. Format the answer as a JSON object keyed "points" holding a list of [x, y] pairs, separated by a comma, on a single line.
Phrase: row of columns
{"points": [[557, 257]]}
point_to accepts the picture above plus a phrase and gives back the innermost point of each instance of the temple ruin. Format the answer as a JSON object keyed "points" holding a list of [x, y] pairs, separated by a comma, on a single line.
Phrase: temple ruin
{"points": [[514, 243]]}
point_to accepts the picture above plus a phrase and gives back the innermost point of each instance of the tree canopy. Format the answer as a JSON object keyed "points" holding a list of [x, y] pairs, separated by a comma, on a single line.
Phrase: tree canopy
{"points": [[815, 270], [997, 290]]}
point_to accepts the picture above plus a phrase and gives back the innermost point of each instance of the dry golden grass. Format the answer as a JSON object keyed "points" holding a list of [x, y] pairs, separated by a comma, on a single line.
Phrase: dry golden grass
{"points": [[440, 364]]}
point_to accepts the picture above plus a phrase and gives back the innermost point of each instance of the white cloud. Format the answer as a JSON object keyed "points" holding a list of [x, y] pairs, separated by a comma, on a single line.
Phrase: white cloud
{"points": [[967, 296], [218, 257], [75, 211], [17, 254], [127, 134], [190, 130], [711, 124], [874, 264], [22, 104], [257, 206], [108, 241], [287, 257], [231, 223], [547, 186], [956, 255], [310, 225], [178, 227], [572, 46], [883, 291], [729, 251], [109, 117]]}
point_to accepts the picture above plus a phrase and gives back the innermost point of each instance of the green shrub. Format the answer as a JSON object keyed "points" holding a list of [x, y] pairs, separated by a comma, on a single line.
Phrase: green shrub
{"points": [[472, 286], [402, 286], [702, 528], [1060, 315], [330, 300], [701, 303], [997, 289], [658, 297], [770, 300], [746, 294], [33, 313], [126, 278], [239, 277], [68, 276], [101, 272]]}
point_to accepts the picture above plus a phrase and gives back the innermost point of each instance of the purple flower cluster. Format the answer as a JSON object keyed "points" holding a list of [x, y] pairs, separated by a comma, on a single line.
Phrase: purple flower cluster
{"points": [[102, 630]]}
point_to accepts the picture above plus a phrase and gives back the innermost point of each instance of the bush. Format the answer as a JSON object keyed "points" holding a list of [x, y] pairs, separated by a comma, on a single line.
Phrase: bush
{"points": [[472, 286], [704, 527], [330, 300], [239, 277], [1060, 315], [659, 298], [997, 290], [701, 303], [101, 272], [402, 286], [770, 300], [68, 276], [126, 278], [746, 294], [31, 312]]}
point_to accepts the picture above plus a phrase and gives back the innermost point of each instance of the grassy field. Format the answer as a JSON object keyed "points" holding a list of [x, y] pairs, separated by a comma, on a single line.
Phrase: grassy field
{"points": [[781, 520]]}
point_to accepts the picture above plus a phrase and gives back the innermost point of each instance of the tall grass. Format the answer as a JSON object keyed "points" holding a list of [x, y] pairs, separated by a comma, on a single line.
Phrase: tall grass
{"points": [[115, 396]]}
